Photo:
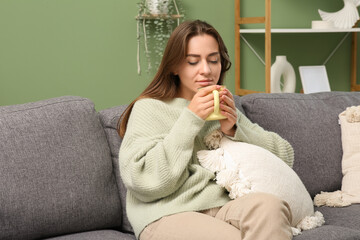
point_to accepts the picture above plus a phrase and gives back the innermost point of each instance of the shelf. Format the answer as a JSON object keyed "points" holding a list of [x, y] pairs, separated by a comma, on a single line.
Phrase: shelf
{"points": [[299, 30], [159, 16]]}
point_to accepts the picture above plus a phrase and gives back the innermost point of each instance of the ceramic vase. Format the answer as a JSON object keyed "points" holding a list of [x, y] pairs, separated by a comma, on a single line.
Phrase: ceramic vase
{"points": [[282, 68]]}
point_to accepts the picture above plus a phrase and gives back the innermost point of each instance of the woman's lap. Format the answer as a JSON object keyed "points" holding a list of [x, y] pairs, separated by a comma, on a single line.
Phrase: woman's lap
{"points": [[190, 226], [257, 216]]}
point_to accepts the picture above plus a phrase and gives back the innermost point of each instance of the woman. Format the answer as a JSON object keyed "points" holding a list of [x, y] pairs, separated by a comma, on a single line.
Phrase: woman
{"points": [[170, 196]]}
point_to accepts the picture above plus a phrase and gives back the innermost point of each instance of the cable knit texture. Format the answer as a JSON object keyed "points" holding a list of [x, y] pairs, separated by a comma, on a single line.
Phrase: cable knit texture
{"points": [[159, 165]]}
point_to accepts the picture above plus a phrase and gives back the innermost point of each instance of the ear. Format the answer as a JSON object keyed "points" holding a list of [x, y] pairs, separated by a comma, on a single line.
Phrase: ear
{"points": [[175, 71]]}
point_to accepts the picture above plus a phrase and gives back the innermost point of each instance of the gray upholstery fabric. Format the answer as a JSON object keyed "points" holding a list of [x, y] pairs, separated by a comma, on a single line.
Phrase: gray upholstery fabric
{"points": [[97, 235], [56, 171], [328, 232], [310, 123], [237, 101], [348, 217], [109, 118], [340, 223]]}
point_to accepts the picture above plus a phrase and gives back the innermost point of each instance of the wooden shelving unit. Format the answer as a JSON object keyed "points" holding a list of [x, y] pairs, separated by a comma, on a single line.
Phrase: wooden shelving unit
{"points": [[268, 31]]}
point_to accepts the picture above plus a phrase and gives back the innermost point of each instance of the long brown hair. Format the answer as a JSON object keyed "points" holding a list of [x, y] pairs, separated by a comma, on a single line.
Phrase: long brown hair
{"points": [[165, 83]]}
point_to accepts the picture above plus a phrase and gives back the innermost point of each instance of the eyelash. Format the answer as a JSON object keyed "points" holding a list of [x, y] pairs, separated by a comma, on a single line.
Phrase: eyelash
{"points": [[194, 63]]}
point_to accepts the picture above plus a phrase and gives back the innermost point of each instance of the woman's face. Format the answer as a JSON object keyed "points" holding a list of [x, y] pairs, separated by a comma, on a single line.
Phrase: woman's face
{"points": [[201, 67]]}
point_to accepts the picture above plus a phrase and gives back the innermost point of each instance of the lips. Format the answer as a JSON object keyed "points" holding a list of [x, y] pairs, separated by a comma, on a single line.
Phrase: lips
{"points": [[204, 83]]}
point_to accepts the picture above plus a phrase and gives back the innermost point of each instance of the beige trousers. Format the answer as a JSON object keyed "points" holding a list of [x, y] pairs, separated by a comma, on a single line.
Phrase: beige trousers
{"points": [[256, 216]]}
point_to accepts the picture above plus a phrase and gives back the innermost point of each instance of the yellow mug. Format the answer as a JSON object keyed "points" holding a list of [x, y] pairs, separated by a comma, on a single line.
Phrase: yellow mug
{"points": [[216, 115]]}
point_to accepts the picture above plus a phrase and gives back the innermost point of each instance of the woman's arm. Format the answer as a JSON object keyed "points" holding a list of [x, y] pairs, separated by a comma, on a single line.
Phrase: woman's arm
{"points": [[154, 156], [252, 133]]}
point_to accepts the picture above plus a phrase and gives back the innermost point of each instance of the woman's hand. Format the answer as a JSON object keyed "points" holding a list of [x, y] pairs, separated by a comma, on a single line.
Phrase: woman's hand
{"points": [[228, 109], [202, 104]]}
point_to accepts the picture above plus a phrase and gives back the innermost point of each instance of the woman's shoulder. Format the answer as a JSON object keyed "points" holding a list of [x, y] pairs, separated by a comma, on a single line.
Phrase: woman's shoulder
{"points": [[149, 111], [157, 103], [148, 104], [147, 101]]}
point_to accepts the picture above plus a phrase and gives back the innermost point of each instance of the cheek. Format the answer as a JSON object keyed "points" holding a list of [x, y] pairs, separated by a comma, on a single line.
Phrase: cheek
{"points": [[186, 73]]}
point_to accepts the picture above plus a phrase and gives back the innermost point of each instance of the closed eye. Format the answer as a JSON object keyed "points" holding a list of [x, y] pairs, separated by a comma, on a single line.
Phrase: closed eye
{"points": [[214, 61], [192, 63]]}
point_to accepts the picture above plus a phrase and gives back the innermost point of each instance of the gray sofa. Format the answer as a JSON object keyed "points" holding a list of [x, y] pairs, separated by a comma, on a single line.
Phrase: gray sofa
{"points": [[59, 170]]}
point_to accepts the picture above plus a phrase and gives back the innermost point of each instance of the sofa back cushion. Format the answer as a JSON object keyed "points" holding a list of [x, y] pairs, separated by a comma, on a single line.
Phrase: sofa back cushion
{"points": [[109, 118], [310, 123], [56, 171]]}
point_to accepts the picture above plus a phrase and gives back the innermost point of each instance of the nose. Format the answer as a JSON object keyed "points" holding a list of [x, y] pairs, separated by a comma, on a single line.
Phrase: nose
{"points": [[205, 68]]}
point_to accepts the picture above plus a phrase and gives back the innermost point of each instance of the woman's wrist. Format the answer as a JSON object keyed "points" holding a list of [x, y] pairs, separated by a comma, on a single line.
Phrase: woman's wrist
{"points": [[231, 132]]}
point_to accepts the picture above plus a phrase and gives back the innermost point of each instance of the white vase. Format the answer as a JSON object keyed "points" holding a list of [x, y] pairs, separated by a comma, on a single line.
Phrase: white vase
{"points": [[158, 6], [282, 67]]}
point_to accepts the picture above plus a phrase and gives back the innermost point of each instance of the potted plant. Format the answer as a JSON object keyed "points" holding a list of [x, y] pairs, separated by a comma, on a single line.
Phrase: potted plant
{"points": [[156, 20], [158, 6]]}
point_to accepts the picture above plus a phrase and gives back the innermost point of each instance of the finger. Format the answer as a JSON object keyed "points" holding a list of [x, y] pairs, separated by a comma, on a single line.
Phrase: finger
{"points": [[226, 95], [224, 91], [207, 90], [208, 104], [206, 108], [228, 101], [206, 112], [229, 118], [228, 109]]}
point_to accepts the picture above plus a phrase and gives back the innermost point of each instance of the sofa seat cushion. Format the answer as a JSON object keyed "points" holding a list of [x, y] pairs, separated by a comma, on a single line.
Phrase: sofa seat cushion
{"points": [[310, 123], [97, 235], [329, 232], [56, 171], [348, 217]]}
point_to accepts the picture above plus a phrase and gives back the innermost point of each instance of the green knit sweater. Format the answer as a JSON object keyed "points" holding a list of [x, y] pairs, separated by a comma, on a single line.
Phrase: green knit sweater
{"points": [[158, 160]]}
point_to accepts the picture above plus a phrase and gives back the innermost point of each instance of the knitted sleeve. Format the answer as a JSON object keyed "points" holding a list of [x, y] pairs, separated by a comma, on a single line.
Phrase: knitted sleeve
{"points": [[157, 148], [254, 134]]}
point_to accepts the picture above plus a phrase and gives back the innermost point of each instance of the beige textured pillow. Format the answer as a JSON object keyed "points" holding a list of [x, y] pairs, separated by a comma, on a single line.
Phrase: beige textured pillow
{"points": [[243, 168], [350, 137]]}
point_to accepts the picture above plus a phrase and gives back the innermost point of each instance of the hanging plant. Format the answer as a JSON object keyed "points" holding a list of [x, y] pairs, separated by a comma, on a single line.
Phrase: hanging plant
{"points": [[155, 22]]}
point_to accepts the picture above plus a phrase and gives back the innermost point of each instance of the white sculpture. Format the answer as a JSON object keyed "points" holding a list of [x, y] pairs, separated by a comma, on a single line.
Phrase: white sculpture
{"points": [[346, 17], [282, 68]]}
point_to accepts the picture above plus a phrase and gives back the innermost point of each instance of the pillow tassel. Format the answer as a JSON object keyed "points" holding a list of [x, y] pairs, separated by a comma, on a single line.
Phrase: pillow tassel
{"points": [[331, 199]]}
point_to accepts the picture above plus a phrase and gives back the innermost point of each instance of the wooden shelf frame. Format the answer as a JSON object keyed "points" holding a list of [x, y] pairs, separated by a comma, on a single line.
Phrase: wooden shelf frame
{"points": [[353, 83], [268, 31], [252, 20]]}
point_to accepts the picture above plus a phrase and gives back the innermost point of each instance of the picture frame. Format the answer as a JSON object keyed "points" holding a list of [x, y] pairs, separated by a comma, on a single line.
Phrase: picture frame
{"points": [[314, 79]]}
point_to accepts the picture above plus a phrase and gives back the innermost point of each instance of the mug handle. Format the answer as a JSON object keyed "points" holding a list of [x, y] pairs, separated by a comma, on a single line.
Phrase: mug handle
{"points": [[216, 101]]}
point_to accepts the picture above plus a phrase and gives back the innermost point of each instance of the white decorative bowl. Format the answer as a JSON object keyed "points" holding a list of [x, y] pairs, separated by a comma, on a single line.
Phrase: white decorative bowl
{"points": [[322, 25]]}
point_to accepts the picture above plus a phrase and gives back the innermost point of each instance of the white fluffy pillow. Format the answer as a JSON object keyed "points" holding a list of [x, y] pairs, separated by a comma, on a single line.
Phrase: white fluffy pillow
{"points": [[350, 137], [260, 171]]}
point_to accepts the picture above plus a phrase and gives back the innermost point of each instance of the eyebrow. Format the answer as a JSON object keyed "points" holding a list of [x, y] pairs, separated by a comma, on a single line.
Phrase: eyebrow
{"points": [[197, 55]]}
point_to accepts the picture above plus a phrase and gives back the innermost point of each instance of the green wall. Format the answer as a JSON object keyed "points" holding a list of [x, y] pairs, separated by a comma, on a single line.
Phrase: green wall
{"points": [[301, 49], [51, 48]]}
